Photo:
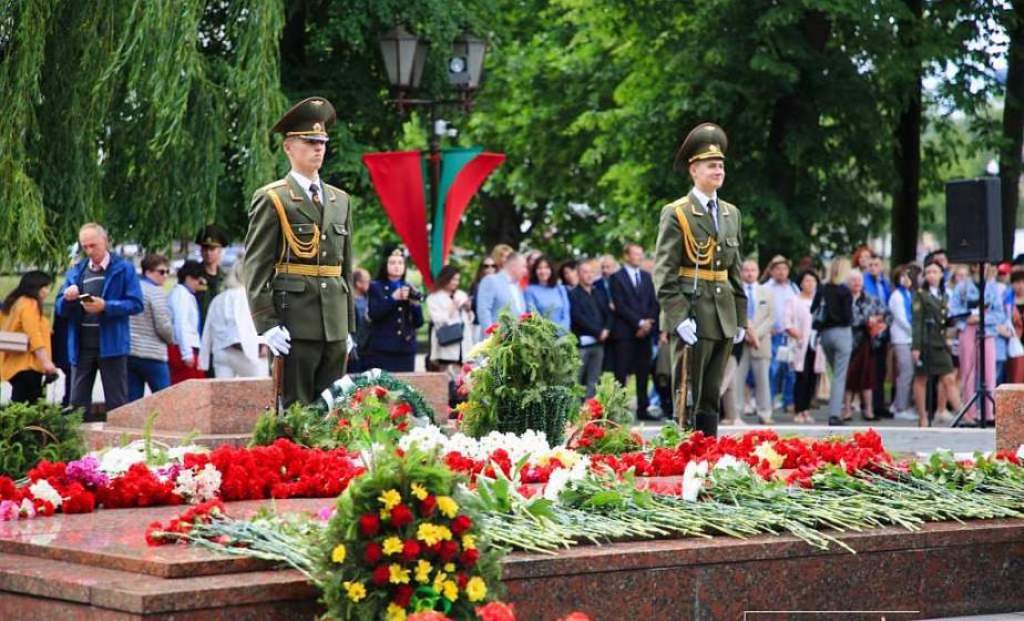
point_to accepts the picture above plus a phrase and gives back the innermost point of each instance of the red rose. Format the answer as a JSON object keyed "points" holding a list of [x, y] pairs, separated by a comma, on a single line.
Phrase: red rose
{"points": [[462, 579], [496, 611], [400, 516], [468, 558], [461, 524], [372, 553], [381, 575], [410, 550], [427, 506], [448, 551], [403, 595], [369, 524]]}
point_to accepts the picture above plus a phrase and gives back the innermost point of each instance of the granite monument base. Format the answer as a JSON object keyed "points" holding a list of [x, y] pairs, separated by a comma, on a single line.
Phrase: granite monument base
{"points": [[98, 567]]}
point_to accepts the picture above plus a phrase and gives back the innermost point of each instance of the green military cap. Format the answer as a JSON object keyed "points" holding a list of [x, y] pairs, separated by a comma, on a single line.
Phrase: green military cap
{"points": [[212, 235], [707, 141], [309, 119]]}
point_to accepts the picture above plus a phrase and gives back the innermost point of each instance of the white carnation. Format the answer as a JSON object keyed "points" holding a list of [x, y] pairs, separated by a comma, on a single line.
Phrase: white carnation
{"points": [[44, 491]]}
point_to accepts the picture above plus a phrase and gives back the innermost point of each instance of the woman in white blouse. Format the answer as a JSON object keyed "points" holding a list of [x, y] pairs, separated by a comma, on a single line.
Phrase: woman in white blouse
{"points": [[230, 341], [808, 356], [448, 306]]}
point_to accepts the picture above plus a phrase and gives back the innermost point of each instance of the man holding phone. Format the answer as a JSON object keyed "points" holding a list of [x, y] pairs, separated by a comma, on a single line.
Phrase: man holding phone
{"points": [[99, 294]]}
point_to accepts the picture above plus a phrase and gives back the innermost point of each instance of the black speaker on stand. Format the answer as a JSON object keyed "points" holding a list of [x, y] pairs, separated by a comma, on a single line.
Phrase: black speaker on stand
{"points": [[974, 234]]}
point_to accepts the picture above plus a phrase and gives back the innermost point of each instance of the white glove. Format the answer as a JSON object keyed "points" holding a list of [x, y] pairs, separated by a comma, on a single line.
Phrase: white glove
{"points": [[351, 344], [740, 335], [278, 340], [687, 331]]}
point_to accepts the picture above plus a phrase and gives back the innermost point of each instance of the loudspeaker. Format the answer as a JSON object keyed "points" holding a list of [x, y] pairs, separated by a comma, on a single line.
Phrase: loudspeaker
{"points": [[974, 223]]}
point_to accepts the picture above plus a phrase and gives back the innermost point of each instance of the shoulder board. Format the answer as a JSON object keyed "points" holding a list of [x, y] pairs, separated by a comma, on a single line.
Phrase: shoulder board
{"points": [[727, 204], [680, 202], [273, 184], [336, 189]]}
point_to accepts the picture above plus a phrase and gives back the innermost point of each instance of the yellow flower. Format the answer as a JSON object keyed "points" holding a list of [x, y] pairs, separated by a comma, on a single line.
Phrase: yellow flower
{"points": [[390, 499], [392, 545], [449, 567], [432, 533], [355, 590], [447, 506], [385, 515], [439, 580], [398, 574], [423, 571], [469, 542], [419, 491], [476, 589], [767, 452], [451, 590], [395, 612], [338, 553]]}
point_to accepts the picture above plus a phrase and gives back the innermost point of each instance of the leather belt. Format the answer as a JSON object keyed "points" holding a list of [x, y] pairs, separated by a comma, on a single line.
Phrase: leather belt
{"points": [[321, 271], [702, 274]]}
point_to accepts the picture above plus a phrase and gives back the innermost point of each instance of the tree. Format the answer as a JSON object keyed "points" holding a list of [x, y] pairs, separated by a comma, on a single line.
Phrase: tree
{"points": [[1013, 123]]}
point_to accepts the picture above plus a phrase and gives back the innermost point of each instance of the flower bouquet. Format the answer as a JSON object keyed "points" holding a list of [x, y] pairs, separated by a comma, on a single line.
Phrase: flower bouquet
{"points": [[604, 422]]}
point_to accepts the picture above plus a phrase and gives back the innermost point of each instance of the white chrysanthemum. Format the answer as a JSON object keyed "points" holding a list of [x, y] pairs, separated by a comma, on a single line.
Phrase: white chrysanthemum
{"points": [[728, 462], [177, 454], [556, 483], [427, 438], [693, 479], [117, 460], [44, 491], [1020, 452]]}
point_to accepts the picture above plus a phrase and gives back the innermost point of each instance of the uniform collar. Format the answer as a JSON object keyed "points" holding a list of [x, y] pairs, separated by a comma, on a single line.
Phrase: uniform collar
{"points": [[704, 198], [305, 182]]}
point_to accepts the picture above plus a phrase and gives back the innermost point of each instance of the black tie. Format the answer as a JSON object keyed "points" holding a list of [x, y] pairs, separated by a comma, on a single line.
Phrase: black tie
{"points": [[713, 210], [636, 279], [314, 193]]}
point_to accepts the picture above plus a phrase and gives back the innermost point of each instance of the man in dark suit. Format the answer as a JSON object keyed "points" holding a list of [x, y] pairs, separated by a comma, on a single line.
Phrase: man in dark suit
{"points": [[636, 319], [591, 315]]}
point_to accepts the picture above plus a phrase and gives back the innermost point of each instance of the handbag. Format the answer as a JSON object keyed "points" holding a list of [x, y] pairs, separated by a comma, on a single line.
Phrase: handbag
{"points": [[449, 334], [13, 341], [785, 352], [1014, 349]]}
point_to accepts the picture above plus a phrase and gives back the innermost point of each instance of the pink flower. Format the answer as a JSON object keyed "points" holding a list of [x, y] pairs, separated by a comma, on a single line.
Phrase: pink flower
{"points": [[9, 510]]}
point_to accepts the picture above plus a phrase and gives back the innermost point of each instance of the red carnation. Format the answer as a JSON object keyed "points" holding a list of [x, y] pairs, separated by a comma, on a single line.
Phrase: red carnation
{"points": [[490, 329], [525, 316], [468, 558], [380, 575], [403, 595], [369, 524], [400, 516], [372, 553], [448, 551], [496, 611], [461, 524], [427, 506], [410, 550], [151, 537], [462, 579], [80, 501]]}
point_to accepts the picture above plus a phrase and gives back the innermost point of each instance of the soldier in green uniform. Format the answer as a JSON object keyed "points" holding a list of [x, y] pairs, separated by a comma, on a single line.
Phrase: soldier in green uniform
{"points": [[697, 274], [932, 357], [211, 240], [298, 262]]}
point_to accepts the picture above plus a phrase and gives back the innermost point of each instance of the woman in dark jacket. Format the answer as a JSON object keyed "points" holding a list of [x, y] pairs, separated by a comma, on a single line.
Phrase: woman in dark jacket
{"points": [[833, 315], [395, 316]]}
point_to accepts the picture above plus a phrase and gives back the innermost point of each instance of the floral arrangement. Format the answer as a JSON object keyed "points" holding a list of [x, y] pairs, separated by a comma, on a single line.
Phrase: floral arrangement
{"points": [[364, 416], [343, 389], [526, 379], [400, 543], [604, 421], [122, 478]]}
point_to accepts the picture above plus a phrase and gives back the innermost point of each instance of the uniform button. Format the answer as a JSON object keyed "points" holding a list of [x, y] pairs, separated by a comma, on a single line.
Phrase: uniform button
{"points": [[718, 289], [323, 254], [323, 285], [323, 236]]}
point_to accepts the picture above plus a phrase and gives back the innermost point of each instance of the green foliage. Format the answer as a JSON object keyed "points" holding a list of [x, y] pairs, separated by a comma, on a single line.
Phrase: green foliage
{"points": [[30, 433], [342, 391], [527, 379], [604, 421]]}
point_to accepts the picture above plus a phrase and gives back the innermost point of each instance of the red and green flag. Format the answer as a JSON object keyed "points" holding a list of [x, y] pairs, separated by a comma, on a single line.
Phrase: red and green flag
{"points": [[400, 179]]}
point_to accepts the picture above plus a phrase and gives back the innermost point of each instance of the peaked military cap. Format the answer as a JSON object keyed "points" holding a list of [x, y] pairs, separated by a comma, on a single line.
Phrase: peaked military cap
{"points": [[212, 235], [309, 119], [707, 141]]}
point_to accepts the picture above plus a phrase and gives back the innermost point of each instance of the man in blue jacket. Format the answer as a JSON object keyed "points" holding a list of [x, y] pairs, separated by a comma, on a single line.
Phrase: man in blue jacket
{"points": [[99, 293]]}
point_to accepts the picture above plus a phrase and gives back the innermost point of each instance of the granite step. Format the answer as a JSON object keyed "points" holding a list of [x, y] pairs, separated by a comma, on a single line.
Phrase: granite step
{"points": [[101, 435]]}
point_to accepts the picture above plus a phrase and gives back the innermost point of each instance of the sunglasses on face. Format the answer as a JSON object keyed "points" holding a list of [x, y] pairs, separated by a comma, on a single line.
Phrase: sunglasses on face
{"points": [[163, 271], [489, 266]]}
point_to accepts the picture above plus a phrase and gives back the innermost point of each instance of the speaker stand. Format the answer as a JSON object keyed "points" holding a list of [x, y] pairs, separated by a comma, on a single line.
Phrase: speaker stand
{"points": [[982, 396]]}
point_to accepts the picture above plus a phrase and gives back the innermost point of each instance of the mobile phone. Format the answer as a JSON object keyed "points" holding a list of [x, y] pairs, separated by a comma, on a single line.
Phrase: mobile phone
{"points": [[86, 297]]}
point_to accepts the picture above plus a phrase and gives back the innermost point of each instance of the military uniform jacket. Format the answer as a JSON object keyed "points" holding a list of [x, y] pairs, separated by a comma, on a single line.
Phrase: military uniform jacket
{"points": [[715, 299], [319, 307], [929, 321]]}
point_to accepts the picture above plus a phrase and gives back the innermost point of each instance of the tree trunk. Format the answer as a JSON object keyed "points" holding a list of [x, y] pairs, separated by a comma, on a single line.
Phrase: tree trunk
{"points": [[502, 221], [1013, 127], [907, 155]]}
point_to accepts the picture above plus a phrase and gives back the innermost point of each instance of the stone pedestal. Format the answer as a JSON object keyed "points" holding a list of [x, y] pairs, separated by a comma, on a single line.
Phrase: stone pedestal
{"points": [[97, 566], [1009, 416], [215, 412]]}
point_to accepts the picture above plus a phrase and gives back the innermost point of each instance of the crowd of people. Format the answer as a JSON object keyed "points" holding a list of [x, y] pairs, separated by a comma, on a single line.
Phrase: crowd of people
{"points": [[128, 329], [848, 336]]}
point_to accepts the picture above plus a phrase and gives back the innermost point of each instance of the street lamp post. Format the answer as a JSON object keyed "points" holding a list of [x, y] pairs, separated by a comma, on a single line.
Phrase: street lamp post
{"points": [[404, 56]]}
